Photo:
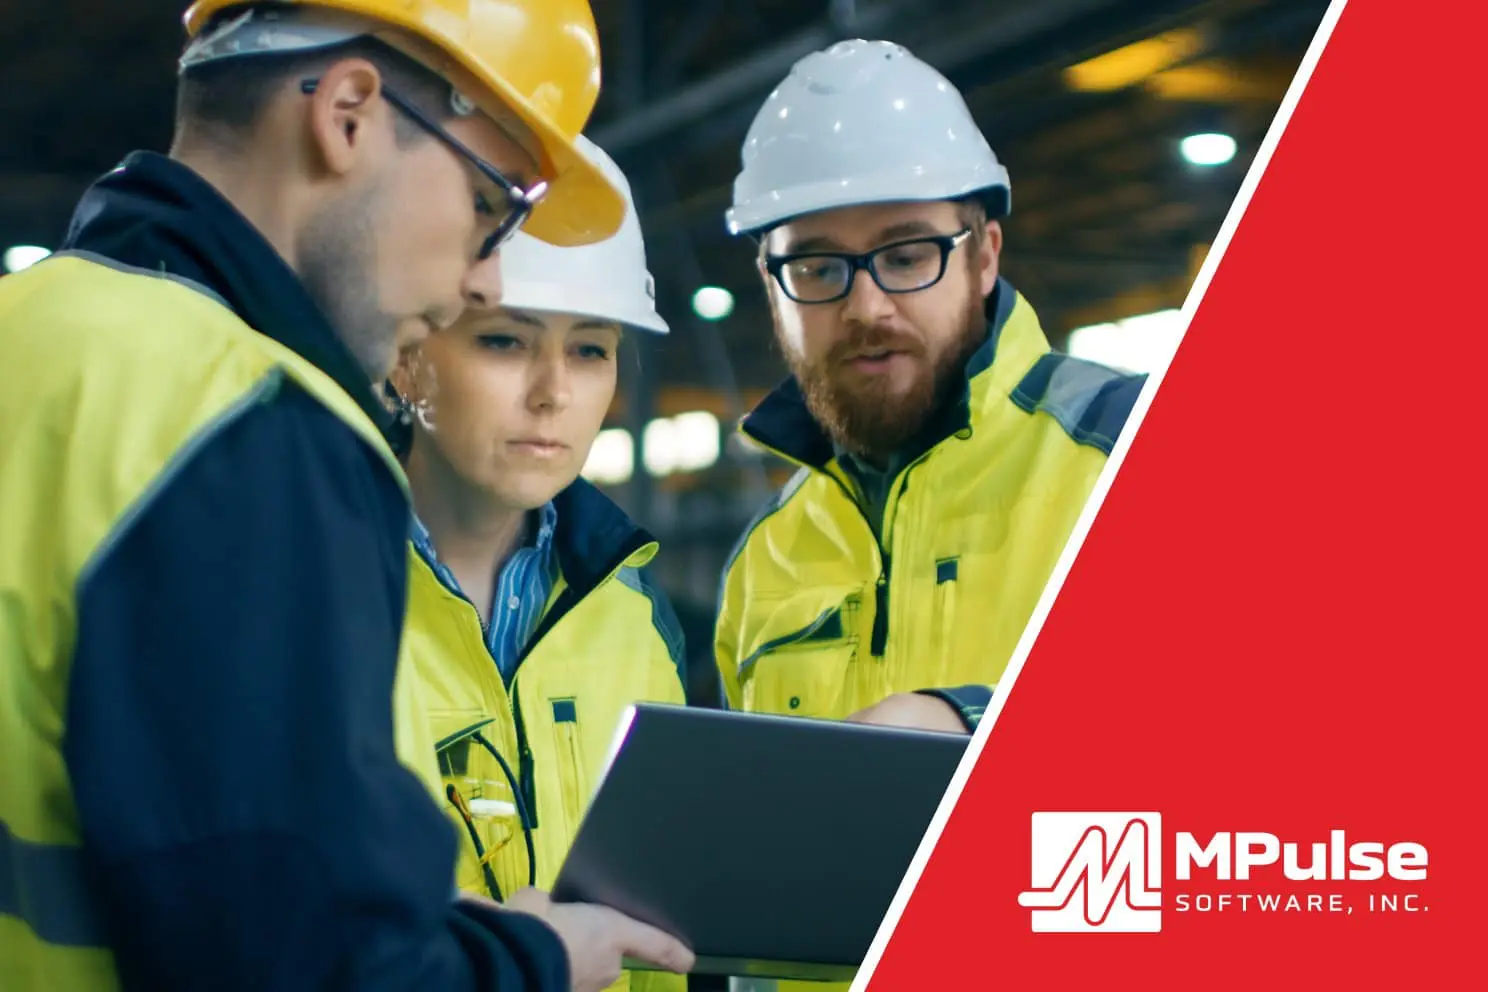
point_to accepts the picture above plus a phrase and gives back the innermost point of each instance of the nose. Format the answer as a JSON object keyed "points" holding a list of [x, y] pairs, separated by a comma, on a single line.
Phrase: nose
{"points": [[865, 303], [482, 287], [552, 386]]}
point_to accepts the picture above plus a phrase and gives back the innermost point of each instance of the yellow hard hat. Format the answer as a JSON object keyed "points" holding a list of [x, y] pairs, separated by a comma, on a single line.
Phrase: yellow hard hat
{"points": [[535, 59]]}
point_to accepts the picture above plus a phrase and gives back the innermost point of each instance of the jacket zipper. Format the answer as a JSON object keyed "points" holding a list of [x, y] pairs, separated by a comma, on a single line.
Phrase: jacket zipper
{"points": [[526, 773]]}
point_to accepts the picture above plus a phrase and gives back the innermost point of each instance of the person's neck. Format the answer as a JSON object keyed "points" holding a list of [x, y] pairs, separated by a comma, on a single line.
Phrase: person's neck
{"points": [[473, 534], [253, 188]]}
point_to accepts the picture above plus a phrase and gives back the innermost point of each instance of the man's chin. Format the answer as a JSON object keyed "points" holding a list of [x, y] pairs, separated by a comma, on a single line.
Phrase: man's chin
{"points": [[884, 399], [876, 426]]}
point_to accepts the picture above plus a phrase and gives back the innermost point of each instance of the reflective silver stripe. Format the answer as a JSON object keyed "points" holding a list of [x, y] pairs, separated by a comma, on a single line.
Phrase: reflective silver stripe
{"points": [[753, 985], [134, 270], [43, 886]]}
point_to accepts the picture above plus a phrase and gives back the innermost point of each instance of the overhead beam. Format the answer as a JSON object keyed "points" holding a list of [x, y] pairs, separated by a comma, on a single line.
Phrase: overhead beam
{"points": [[755, 74], [1011, 120], [948, 50], [1222, 81], [1057, 27], [1020, 38], [683, 43]]}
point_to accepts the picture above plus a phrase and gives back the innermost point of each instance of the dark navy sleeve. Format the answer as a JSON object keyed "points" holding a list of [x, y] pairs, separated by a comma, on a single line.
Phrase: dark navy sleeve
{"points": [[969, 702], [246, 822]]}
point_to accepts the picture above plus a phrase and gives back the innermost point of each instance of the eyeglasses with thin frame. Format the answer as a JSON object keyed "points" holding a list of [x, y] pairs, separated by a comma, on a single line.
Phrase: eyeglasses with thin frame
{"points": [[519, 201], [900, 267]]}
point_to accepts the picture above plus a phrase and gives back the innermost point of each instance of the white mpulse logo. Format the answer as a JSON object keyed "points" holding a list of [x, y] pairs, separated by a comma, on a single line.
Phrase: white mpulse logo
{"points": [[1103, 872], [1096, 871]]}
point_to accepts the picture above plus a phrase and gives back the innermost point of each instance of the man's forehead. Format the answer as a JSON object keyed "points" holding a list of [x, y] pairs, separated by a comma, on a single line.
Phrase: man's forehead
{"points": [[862, 226]]}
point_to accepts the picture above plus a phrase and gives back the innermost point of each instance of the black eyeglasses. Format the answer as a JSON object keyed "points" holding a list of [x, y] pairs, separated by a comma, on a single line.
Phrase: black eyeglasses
{"points": [[901, 267], [519, 201]]}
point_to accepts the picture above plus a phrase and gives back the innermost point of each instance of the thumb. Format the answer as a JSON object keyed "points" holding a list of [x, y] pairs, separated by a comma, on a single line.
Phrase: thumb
{"points": [[646, 943]]}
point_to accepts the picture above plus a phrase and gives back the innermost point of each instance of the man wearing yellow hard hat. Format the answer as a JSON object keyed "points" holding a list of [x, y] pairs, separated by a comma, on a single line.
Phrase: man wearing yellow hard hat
{"points": [[210, 752]]}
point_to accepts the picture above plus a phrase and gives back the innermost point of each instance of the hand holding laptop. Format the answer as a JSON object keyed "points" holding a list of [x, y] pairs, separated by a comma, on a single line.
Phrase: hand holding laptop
{"points": [[598, 938], [914, 711]]}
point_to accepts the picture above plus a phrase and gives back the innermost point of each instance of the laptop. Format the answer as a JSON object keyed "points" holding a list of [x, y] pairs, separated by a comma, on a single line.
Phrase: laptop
{"points": [[771, 845]]}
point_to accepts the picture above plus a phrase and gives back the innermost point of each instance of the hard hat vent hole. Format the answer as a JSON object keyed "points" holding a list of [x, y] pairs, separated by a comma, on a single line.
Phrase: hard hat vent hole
{"points": [[822, 89]]}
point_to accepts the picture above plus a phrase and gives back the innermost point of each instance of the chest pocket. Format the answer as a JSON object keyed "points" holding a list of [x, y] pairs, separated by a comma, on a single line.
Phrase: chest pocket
{"points": [[573, 689], [802, 657], [480, 801], [572, 768]]}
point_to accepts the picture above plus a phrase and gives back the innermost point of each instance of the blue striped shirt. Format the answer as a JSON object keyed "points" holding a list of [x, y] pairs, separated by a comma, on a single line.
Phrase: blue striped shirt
{"points": [[522, 589]]}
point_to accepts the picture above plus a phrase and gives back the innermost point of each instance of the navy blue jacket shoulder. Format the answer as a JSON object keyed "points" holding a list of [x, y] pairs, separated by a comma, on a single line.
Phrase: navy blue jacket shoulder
{"points": [[246, 821]]}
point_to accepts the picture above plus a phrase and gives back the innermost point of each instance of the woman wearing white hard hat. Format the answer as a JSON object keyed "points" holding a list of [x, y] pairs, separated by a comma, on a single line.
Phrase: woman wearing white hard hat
{"points": [[532, 621], [948, 451]]}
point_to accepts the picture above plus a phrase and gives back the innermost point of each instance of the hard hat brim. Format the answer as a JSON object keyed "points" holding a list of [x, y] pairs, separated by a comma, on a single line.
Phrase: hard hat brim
{"points": [[762, 212], [556, 298], [581, 206]]}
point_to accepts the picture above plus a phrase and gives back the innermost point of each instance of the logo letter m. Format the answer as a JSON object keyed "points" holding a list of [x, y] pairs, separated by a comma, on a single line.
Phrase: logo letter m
{"points": [[1095, 871]]}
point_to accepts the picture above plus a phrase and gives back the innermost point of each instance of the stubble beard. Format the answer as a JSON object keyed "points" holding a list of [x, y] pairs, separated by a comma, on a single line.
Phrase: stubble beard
{"points": [[337, 258]]}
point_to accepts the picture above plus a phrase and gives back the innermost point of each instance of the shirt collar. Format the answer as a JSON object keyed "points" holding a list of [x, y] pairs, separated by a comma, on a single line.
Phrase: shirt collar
{"points": [[541, 541], [547, 525]]}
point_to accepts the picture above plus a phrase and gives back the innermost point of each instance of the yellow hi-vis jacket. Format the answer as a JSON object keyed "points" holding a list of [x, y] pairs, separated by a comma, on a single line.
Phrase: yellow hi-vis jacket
{"points": [[819, 618], [114, 378], [607, 638]]}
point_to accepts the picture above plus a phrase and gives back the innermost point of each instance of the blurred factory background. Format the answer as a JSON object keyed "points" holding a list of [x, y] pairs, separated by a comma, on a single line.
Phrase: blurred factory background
{"points": [[1127, 128]]}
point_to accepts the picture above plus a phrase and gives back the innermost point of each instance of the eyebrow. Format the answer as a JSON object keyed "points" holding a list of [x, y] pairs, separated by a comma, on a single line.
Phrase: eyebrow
{"points": [[516, 316], [888, 235], [596, 325], [521, 317]]}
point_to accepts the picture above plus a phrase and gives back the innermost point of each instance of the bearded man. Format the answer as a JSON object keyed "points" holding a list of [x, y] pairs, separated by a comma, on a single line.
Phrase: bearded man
{"points": [[945, 451]]}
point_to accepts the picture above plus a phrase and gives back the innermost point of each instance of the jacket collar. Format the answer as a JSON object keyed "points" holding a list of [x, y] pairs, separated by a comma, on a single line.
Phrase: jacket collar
{"points": [[783, 423], [156, 214], [588, 533], [593, 540], [594, 536]]}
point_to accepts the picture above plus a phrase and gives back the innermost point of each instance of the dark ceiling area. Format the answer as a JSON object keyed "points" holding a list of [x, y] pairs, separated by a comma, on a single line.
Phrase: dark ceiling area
{"points": [[1086, 102]]}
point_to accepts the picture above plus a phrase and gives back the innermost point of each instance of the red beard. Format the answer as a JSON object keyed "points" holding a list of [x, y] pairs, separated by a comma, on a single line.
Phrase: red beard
{"points": [[866, 414]]}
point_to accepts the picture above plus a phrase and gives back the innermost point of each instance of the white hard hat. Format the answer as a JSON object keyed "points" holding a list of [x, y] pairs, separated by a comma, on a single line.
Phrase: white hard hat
{"points": [[861, 122], [607, 280]]}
